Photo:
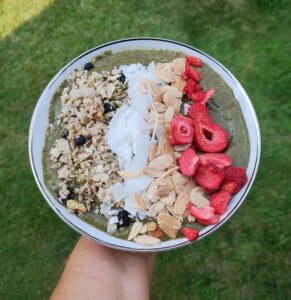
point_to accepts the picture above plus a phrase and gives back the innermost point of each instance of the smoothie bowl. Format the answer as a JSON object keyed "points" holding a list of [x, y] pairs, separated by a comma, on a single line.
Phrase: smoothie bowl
{"points": [[144, 144]]}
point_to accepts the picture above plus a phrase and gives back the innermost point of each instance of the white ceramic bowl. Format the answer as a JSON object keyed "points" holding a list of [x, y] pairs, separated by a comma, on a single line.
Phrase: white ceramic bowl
{"points": [[39, 124]]}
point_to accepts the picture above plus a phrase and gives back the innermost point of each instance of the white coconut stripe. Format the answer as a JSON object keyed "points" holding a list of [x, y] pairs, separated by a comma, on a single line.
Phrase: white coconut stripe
{"points": [[129, 133]]}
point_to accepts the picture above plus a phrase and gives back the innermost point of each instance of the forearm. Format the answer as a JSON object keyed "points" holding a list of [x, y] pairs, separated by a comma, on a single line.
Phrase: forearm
{"points": [[97, 272]]}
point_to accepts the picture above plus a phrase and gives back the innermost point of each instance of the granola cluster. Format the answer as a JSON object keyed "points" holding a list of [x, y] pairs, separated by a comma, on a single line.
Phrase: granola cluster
{"points": [[81, 156]]}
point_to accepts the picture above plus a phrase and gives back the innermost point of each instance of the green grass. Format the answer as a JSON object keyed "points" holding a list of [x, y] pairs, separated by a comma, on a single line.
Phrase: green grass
{"points": [[249, 258]]}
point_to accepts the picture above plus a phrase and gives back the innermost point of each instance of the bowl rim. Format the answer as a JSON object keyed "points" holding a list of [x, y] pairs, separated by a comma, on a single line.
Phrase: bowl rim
{"points": [[146, 250]]}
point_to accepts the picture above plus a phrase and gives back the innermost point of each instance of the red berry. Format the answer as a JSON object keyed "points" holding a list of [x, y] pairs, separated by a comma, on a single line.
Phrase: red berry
{"points": [[188, 162], [194, 61], [219, 201], [230, 187], [190, 234], [235, 175], [215, 219], [190, 87], [182, 130], [204, 213], [210, 137], [202, 97], [209, 177], [198, 112], [221, 160], [190, 73]]}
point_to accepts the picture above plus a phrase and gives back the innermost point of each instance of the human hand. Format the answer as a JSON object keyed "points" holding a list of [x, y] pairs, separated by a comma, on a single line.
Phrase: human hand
{"points": [[97, 272]]}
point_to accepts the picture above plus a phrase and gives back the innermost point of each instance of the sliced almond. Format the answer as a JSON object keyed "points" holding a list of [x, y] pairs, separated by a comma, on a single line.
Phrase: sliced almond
{"points": [[169, 172], [181, 203], [152, 172], [155, 198], [173, 222], [163, 191], [190, 185], [75, 206], [161, 162], [180, 83], [178, 65], [128, 174], [198, 199], [170, 199], [173, 90], [151, 226], [155, 208], [136, 227], [170, 208], [163, 71], [169, 99], [180, 188], [152, 190], [169, 230], [153, 151], [155, 88], [169, 114], [138, 202], [161, 143], [161, 182], [160, 107], [167, 148], [147, 240], [157, 233], [180, 148], [179, 179], [152, 117], [158, 97]]}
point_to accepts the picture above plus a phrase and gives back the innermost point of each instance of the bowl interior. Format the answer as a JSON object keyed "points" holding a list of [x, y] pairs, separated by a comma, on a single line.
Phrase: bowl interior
{"points": [[39, 125]]}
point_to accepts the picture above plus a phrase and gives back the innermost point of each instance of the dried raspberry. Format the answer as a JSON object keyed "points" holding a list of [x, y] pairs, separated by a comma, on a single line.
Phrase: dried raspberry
{"points": [[210, 137], [230, 187], [194, 61], [188, 162], [182, 130], [209, 177]]}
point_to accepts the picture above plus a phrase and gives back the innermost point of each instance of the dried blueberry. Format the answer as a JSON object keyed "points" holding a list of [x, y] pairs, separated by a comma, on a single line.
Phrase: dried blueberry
{"points": [[80, 140], [108, 108], [121, 78], [123, 218], [88, 66], [65, 134], [64, 200]]}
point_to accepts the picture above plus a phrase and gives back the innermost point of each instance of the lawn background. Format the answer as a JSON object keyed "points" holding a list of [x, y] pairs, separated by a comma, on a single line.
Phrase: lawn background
{"points": [[249, 258]]}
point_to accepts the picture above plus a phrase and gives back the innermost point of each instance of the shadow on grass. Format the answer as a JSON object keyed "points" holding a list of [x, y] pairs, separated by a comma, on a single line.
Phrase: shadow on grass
{"points": [[236, 262]]}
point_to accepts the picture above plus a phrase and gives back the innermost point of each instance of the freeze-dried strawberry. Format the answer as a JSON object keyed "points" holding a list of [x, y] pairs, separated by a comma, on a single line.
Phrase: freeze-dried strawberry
{"points": [[210, 137], [188, 162], [181, 130], [194, 61], [190, 73], [203, 213], [190, 234], [219, 201], [202, 97], [198, 112], [215, 219], [235, 175], [209, 177], [221, 160]]}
